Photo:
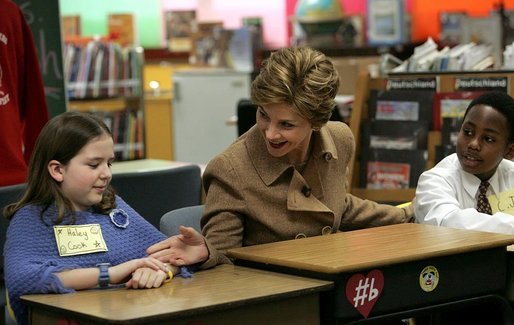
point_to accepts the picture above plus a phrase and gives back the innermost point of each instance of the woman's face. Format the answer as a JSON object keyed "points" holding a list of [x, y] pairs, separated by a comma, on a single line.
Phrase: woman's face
{"points": [[286, 132]]}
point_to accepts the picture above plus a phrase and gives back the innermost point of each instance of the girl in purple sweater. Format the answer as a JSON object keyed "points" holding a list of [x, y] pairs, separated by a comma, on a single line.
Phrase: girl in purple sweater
{"points": [[70, 231]]}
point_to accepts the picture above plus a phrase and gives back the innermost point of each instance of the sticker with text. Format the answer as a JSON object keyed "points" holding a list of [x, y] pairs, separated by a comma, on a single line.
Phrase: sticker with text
{"points": [[503, 202], [363, 291], [429, 278], [79, 239]]}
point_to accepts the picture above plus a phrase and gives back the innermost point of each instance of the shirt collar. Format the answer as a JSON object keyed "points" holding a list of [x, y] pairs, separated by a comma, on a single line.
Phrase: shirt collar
{"points": [[471, 182], [271, 168]]}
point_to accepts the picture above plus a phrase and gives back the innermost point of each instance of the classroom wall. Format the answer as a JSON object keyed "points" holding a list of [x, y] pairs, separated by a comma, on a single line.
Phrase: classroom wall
{"points": [[276, 15], [425, 13], [150, 16], [231, 12], [94, 13]]}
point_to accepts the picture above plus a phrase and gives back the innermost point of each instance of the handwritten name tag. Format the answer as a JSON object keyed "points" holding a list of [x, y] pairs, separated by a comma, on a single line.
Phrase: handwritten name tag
{"points": [[503, 202], [79, 239]]}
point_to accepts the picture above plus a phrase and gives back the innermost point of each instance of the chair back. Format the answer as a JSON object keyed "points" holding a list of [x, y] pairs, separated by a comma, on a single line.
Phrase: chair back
{"points": [[187, 216], [8, 194], [246, 111], [153, 193]]}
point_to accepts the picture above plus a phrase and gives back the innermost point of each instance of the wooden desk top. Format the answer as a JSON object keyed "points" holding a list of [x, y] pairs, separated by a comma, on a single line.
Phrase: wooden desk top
{"points": [[369, 248], [220, 288]]}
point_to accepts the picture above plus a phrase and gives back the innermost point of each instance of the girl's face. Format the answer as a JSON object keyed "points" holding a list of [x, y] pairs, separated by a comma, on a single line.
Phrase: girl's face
{"points": [[483, 141], [286, 132], [85, 178]]}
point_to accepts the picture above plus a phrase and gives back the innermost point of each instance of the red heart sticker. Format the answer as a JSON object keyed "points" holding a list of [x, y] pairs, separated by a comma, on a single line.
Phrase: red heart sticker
{"points": [[363, 291]]}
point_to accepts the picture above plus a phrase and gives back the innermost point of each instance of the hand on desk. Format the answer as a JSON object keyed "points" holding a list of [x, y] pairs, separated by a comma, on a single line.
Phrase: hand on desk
{"points": [[146, 278], [187, 248]]}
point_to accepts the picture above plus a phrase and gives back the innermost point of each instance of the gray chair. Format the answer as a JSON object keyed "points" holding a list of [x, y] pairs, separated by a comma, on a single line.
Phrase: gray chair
{"points": [[187, 216], [8, 194], [153, 193]]}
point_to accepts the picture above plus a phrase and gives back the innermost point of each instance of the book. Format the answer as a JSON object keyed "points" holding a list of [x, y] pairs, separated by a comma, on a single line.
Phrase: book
{"points": [[452, 25], [180, 26], [121, 28], [391, 169], [401, 105], [394, 135], [70, 26], [451, 104], [204, 42], [386, 22], [387, 175], [240, 49]]}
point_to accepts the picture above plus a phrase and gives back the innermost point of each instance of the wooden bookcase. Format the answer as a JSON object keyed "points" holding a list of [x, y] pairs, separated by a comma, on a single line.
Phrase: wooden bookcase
{"points": [[105, 78], [446, 82]]}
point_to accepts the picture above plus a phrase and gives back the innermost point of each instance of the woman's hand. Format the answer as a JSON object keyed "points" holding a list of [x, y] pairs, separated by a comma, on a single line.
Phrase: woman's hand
{"points": [[187, 248]]}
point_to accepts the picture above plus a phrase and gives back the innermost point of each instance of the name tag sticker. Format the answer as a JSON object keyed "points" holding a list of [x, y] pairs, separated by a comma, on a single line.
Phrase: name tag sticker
{"points": [[79, 239], [503, 202]]}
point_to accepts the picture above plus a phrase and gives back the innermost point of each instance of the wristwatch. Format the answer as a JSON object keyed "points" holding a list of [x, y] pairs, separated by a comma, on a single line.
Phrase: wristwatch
{"points": [[103, 279]]}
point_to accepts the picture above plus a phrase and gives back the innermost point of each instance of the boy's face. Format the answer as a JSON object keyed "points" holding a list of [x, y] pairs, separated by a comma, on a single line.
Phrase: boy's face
{"points": [[483, 141]]}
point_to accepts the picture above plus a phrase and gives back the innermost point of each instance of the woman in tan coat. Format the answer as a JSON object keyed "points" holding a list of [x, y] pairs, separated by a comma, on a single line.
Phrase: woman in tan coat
{"points": [[285, 178]]}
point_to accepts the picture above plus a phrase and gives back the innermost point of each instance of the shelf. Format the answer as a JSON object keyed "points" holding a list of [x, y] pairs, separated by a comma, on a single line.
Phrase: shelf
{"points": [[108, 105], [447, 82], [403, 195]]}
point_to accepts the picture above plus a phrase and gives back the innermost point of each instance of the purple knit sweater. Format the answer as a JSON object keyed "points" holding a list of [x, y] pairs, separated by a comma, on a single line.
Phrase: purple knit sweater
{"points": [[32, 258]]}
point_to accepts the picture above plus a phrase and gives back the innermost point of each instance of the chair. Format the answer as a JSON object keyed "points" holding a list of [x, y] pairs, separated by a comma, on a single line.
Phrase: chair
{"points": [[246, 111], [8, 194], [153, 193], [188, 216]]}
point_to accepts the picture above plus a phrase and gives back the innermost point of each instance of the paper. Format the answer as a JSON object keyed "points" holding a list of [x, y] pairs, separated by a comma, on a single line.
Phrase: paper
{"points": [[79, 239]]}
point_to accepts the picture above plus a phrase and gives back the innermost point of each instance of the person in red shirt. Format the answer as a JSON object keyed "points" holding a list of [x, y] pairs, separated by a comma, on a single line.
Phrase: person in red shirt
{"points": [[23, 107]]}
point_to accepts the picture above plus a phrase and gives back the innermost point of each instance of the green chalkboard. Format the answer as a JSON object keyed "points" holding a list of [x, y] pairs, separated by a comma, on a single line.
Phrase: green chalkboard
{"points": [[44, 21]]}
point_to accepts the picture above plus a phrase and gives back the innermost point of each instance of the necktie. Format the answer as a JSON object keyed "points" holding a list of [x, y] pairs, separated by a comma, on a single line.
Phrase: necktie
{"points": [[483, 203]]}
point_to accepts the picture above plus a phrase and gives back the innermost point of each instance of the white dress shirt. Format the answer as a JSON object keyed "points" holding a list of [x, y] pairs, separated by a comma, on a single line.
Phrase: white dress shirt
{"points": [[446, 196]]}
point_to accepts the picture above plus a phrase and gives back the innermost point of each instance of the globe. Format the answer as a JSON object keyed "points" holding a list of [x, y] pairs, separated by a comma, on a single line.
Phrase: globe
{"points": [[319, 16]]}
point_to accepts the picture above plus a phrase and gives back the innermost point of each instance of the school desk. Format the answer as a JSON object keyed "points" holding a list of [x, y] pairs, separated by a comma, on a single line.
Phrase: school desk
{"points": [[397, 271], [144, 165], [226, 294]]}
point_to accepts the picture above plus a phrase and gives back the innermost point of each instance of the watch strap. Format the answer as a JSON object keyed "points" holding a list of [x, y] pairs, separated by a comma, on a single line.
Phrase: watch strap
{"points": [[103, 279]]}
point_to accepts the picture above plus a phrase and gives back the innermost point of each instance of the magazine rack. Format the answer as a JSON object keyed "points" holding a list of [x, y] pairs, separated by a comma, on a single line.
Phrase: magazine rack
{"points": [[449, 83]]}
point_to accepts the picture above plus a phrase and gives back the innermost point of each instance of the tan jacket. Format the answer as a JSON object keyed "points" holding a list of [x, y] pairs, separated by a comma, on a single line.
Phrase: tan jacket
{"points": [[254, 198]]}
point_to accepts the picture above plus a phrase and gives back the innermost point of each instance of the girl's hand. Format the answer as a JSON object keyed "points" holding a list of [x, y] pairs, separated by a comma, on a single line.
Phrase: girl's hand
{"points": [[146, 278], [122, 272]]}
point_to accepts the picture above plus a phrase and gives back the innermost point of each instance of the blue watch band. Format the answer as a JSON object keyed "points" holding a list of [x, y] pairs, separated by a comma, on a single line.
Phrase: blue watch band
{"points": [[103, 279]]}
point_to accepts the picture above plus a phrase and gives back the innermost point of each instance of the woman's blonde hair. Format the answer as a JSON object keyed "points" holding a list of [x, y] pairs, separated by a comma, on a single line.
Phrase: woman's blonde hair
{"points": [[301, 77]]}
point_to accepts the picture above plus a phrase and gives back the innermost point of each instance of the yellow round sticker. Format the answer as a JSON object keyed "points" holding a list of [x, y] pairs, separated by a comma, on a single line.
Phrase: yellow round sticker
{"points": [[429, 278]]}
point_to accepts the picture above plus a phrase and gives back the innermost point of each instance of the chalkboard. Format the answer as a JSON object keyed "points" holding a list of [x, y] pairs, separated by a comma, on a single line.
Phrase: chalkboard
{"points": [[44, 20]]}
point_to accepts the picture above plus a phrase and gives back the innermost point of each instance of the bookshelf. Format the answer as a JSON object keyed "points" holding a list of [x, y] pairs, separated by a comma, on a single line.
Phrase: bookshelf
{"points": [[446, 82], [107, 79]]}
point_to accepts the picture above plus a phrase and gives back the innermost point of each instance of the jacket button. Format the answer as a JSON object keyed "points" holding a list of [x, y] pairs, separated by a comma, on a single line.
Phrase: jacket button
{"points": [[328, 156], [327, 230], [300, 235]]}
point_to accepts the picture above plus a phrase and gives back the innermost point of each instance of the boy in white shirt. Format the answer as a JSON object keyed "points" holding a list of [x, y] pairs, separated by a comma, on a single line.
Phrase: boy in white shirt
{"points": [[447, 194]]}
